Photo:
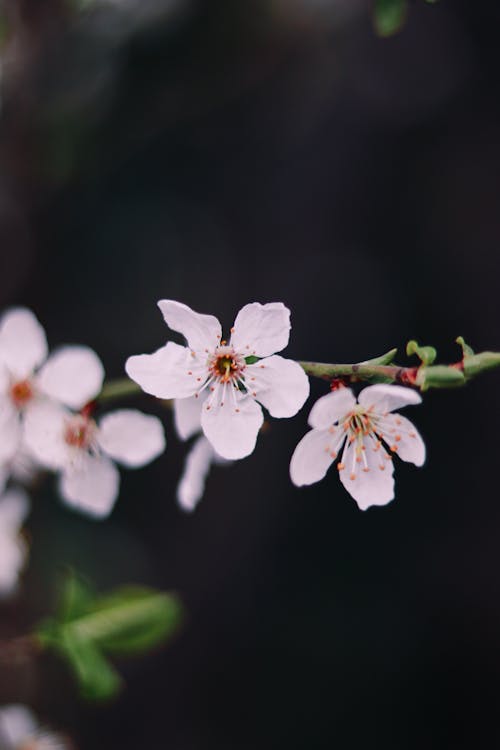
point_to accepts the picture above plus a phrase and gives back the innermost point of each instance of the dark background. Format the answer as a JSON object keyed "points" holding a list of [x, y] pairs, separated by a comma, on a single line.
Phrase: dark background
{"points": [[224, 152]]}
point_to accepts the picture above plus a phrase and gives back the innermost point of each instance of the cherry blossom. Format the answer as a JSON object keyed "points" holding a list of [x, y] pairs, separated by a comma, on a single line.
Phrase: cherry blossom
{"points": [[71, 375], [84, 450], [19, 730], [370, 434], [14, 507], [187, 419], [239, 376]]}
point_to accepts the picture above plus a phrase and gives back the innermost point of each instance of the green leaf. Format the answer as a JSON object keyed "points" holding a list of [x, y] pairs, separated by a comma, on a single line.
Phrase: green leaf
{"points": [[128, 621], [76, 597], [389, 16], [132, 619], [252, 359], [96, 678], [384, 359], [427, 354]]}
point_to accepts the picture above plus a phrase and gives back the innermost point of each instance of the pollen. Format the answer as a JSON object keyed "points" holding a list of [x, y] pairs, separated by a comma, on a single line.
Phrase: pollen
{"points": [[79, 432], [340, 466], [21, 392], [352, 477]]}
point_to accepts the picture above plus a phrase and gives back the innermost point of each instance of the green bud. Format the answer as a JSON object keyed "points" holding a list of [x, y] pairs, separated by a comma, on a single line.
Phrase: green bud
{"points": [[480, 362], [427, 354], [466, 349], [439, 376]]}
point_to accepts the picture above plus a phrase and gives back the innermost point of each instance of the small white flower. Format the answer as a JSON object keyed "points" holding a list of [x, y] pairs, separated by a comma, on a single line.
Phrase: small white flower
{"points": [[187, 419], [71, 375], [231, 414], [14, 507], [19, 730], [84, 450], [364, 428]]}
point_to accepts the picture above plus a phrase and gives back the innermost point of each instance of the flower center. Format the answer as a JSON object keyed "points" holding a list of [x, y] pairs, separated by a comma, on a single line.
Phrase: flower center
{"points": [[79, 432], [21, 392], [358, 423], [225, 364]]}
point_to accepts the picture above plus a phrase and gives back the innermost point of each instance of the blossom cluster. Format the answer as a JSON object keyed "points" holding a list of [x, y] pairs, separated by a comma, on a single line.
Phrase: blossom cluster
{"points": [[50, 415]]}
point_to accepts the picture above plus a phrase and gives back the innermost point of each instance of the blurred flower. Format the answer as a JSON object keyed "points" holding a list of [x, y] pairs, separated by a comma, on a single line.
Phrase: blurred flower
{"points": [[14, 507], [187, 418], [71, 375], [363, 427], [236, 376], [19, 730], [84, 451]]}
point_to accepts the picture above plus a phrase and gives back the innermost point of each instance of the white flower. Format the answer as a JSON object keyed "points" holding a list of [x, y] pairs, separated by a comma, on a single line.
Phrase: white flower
{"points": [[231, 415], [84, 450], [14, 507], [363, 428], [187, 419], [19, 730], [71, 375]]}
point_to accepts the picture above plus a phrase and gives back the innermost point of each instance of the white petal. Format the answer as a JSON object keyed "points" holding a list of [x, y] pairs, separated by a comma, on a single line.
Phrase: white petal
{"points": [[17, 724], [314, 455], [192, 484], [44, 423], [261, 330], [280, 385], [401, 434], [200, 331], [4, 475], [131, 437], [10, 430], [232, 433], [331, 408], [187, 416], [23, 346], [14, 507], [92, 488], [370, 484], [72, 375], [171, 372], [385, 398]]}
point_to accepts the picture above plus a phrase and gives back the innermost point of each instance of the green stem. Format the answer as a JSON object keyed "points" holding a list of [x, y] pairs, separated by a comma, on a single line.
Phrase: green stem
{"points": [[120, 388], [379, 370]]}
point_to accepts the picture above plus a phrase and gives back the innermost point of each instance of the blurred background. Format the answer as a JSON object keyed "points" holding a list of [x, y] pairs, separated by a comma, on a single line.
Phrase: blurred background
{"points": [[274, 150]]}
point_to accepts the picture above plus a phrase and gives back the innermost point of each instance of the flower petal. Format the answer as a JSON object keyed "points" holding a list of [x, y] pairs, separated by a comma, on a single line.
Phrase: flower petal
{"points": [[44, 433], [187, 416], [72, 375], [371, 483], [131, 437], [280, 385], [14, 507], [331, 408], [192, 484], [232, 430], [92, 487], [171, 372], [23, 345], [385, 398], [17, 724], [261, 330], [200, 331], [10, 430], [401, 434], [314, 455]]}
